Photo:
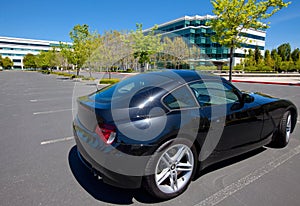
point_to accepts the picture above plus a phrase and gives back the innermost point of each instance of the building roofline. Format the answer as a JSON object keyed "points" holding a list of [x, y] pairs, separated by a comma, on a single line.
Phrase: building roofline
{"points": [[196, 17], [191, 18], [46, 42]]}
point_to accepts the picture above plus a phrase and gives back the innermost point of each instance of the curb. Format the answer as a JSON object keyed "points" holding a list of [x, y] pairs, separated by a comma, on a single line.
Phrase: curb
{"points": [[259, 82], [260, 75]]}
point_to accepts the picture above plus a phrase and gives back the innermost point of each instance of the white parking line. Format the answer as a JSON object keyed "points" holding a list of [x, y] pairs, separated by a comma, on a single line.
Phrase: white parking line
{"points": [[52, 111], [46, 92], [48, 99], [219, 196], [57, 140]]}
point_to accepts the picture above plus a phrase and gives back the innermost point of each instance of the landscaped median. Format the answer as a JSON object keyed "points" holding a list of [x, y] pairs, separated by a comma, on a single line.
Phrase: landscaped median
{"points": [[67, 75], [108, 81], [81, 77]]}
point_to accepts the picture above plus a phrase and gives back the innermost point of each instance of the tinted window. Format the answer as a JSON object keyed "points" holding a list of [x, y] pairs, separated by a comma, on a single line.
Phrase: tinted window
{"points": [[213, 93], [180, 98], [131, 86]]}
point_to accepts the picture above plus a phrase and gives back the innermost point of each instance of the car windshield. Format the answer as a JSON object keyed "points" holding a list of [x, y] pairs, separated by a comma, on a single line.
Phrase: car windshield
{"points": [[130, 86]]}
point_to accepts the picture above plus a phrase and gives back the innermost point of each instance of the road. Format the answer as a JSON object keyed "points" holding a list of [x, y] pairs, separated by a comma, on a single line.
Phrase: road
{"points": [[39, 166]]}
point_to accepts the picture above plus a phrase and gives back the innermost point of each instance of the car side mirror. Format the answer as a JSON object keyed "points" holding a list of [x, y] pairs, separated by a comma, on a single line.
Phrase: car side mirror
{"points": [[247, 98]]}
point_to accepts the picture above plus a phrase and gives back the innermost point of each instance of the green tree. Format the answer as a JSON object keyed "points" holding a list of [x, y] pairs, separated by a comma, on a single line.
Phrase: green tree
{"points": [[112, 48], [92, 43], [273, 53], [268, 59], [62, 62], [7, 63], [176, 49], [250, 59], [29, 61], [277, 59], [145, 45], [43, 60], [1, 61], [297, 65], [79, 52], [67, 54], [234, 16], [257, 56], [295, 55], [284, 51], [53, 58], [287, 66]]}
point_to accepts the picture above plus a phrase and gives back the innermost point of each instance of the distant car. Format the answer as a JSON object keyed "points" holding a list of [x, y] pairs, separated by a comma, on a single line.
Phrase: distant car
{"points": [[158, 129]]}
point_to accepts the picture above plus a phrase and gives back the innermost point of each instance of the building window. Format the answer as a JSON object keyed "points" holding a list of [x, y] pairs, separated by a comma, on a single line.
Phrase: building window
{"points": [[252, 36]]}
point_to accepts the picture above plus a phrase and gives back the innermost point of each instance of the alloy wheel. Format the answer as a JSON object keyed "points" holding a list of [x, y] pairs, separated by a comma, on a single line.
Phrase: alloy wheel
{"points": [[174, 168]]}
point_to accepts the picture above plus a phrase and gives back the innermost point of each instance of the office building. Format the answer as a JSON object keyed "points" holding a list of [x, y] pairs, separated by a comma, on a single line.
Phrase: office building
{"points": [[17, 48], [196, 33]]}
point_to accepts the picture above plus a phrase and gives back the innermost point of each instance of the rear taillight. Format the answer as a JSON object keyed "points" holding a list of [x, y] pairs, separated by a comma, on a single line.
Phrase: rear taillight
{"points": [[106, 132]]}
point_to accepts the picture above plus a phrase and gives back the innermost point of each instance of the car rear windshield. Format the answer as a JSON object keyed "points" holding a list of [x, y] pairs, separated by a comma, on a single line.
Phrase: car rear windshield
{"points": [[130, 86]]}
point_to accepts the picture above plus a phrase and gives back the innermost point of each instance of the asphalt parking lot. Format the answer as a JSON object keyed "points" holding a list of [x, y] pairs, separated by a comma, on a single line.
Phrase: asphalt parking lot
{"points": [[39, 166]]}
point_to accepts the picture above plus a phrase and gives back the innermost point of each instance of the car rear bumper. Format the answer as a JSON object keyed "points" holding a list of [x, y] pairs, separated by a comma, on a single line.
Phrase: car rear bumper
{"points": [[108, 176], [114, 166]]}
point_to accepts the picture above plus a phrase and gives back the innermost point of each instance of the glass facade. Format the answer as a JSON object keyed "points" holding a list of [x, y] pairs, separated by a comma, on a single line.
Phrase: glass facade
{"points": [[196, 33]]}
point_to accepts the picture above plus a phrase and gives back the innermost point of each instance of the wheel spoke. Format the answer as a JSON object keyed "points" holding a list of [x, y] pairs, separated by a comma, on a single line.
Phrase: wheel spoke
{"points": [[288, 124], [173, 180], [180, 153], [288, 128], [166, 159], [163, 175], [184, 167]]}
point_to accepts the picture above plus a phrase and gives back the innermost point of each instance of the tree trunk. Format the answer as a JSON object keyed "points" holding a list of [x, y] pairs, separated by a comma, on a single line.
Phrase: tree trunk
{"points": [[230, 63], [77, 71], [109, 73]]}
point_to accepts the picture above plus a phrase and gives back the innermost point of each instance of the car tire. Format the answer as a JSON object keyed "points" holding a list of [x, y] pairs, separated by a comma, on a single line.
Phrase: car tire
{"points": [[171, 169], [282, 136]]}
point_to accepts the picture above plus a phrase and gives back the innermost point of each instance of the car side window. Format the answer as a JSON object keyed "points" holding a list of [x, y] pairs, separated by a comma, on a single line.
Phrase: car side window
{"points": [[213, 93], [180, 98]]}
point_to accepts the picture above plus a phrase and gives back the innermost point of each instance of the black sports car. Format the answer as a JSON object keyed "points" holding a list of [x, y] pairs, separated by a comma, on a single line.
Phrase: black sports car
{"points": [[158, 129]]}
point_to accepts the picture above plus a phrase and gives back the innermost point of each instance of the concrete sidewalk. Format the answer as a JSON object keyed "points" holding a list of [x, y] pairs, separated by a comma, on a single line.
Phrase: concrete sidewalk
{"points": [[279, 79], [269, 80]]}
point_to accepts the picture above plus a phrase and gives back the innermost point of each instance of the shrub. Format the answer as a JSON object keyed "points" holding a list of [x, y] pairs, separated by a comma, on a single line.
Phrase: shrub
{"points": [[109, 81], [266, 69], [45, 72], [86, 78], [239, 67], [225, 68], [251, 68], [201, 68]]}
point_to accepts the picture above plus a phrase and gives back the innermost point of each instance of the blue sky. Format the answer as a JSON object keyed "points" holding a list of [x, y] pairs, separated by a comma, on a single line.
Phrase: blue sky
{"points": [[53, 19]]}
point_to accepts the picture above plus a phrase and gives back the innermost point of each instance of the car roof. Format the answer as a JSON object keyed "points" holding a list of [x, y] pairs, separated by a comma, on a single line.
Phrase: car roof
{"points": [[185, 76]]}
